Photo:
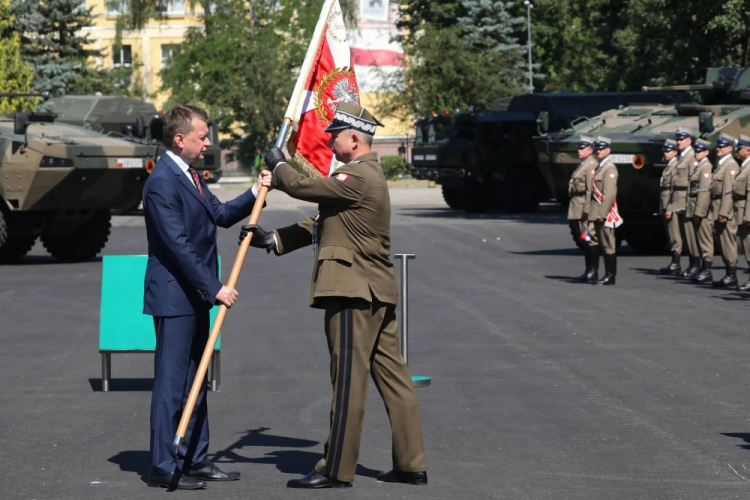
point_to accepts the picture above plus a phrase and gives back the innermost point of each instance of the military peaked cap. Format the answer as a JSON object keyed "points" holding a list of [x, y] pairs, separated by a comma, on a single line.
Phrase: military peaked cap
{"points": [[669, 145], [725, 140], [701, 145], [683, 133], [603, 142], [586, 141], [352, 116], [743, 141]]}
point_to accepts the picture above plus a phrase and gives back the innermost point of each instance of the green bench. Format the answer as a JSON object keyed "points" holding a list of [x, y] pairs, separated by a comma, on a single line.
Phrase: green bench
{"points": [[123, 328]]}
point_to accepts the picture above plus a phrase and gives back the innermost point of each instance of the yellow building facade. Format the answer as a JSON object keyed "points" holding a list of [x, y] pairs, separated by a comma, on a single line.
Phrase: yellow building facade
{"points": [[144, 50]]}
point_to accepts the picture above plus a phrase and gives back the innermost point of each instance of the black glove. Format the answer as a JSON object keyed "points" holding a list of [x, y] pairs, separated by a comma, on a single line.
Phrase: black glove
{"points": [[274, 157], [261, 237]]}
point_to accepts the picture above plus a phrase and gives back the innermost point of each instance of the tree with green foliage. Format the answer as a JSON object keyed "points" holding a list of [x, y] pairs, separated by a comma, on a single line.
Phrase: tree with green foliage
{"points": [[15, 75], [458, 54], [242, 65], [51, 40]]}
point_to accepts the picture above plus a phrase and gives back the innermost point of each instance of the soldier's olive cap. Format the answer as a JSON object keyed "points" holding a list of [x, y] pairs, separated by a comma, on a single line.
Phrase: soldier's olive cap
{"points": [[701, 145], [352, 116], [585, 142], [743, 141], [725, 140], [603, 143], [669, 145], [683, 133]]}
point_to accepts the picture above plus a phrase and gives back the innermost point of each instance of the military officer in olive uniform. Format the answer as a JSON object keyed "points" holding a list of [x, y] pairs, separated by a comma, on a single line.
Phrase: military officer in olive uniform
{"points": [[601, 231], [354, 282], [678, 200], [722, 208], [740, 190], [671, 221], [699, 202], [579, 190]]}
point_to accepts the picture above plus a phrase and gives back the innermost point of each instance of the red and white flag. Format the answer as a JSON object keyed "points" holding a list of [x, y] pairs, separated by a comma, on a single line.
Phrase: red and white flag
{"points": [[330, 80]]}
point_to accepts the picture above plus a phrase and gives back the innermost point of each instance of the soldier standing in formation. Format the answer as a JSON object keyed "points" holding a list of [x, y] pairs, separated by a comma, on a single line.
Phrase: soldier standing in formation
{"points": [[739, 197], [678, 201], [699, 200], [579, 190], [722, 208], [601, 228], [670, 221]]}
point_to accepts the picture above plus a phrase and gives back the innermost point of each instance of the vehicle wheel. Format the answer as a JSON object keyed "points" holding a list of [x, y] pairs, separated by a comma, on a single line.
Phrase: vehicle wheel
{"points": [[452, 197], [15, 242], [521, 192], [83, 243]]}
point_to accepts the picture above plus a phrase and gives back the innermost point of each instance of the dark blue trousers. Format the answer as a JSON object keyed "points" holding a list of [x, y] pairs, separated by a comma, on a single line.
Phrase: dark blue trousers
{"points": [[180, 342]]}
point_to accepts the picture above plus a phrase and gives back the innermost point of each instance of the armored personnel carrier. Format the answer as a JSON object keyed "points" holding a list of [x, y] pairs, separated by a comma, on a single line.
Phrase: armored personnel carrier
{"points": [[486, 159], [129, 117], [637, 132], [61, 183]]}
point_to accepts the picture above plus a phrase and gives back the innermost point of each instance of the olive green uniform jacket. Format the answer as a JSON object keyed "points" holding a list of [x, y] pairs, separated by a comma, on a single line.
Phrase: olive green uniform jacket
{"points": [[605, 178], [667, 178], [721, 188], [681, 180], [352, 230], [700, 197], [579, 189], [740, 190]]}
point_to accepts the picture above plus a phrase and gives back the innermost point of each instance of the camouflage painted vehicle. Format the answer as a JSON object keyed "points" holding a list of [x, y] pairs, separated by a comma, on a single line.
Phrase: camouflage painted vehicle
{"points": [[128, 117], [62, 183], [486, 159], [637, 133]]}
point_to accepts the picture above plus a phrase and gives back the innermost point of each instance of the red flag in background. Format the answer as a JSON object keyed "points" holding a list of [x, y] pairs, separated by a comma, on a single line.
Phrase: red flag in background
{"points": [[331, 80]]}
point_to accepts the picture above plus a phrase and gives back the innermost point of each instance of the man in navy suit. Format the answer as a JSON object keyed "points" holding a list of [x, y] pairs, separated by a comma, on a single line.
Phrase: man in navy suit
{"points": [[181, 286]]}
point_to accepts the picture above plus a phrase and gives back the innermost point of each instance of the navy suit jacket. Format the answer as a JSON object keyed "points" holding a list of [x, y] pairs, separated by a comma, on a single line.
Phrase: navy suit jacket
{"points": [[182, 271]]}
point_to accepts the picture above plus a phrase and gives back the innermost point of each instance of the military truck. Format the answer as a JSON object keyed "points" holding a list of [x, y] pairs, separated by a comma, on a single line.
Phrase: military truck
{"points": [[62, 183], [638, 132], [129, 117], [486, 159]]}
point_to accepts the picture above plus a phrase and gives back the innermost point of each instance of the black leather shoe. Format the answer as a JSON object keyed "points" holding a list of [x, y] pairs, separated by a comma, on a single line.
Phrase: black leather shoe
{"points": [[705, 276], [695, 263], [315, 480], [397, 476], [745, 287], [175, 481], [213, 473], [674, 268], [728, 281]]}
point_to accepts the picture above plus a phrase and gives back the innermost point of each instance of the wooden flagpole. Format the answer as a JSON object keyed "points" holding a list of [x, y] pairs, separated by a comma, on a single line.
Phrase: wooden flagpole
{"points": [[291, 112]]}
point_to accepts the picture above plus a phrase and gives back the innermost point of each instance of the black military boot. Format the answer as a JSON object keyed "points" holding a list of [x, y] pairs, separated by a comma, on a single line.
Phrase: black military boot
{"points": [[584, 277], [728, 281], [674, 268], [745, 287], [610, 269], [705, 275], [695, 267], [592, 274]]}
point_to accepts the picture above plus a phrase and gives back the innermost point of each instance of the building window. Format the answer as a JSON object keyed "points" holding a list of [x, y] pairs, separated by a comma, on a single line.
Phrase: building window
{"points": [[113, 7], [168, 52], [123, 57], [172, 7]]}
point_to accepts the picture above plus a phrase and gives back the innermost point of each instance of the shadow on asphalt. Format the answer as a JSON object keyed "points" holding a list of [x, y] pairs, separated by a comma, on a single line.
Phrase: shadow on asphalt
{"points": [[564, 279], [286, 461], [551, 251], [546, 214], [37, 260], [739, 435], [732, 297], [124, 384], [133, 461]]}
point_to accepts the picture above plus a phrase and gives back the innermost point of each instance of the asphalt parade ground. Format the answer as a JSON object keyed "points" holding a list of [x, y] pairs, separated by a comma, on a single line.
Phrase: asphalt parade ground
{"points": [[542, 388]]}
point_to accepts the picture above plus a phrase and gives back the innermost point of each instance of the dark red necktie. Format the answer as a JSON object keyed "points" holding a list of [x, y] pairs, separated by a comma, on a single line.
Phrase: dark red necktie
{"points": [[197, 181]]}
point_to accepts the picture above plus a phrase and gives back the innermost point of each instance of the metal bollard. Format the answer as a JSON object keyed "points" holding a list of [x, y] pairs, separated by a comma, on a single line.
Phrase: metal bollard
{"points": [[417, 381]]}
